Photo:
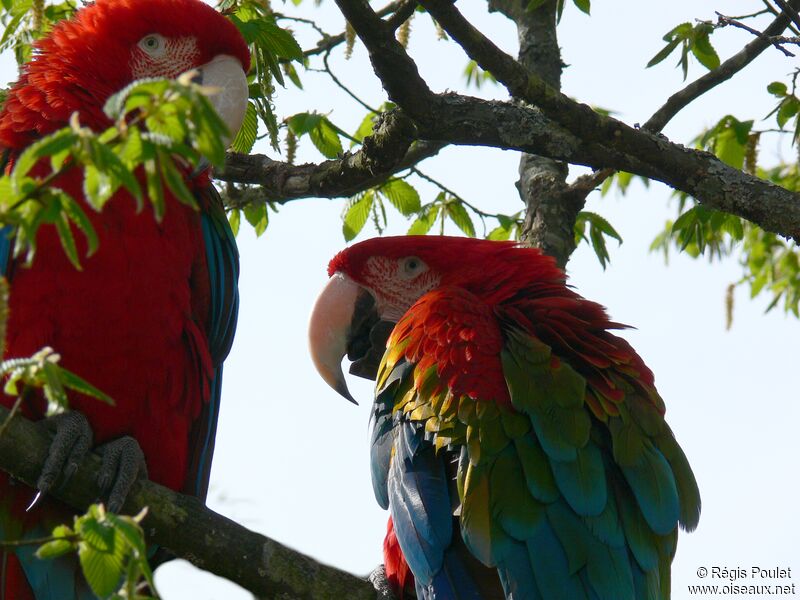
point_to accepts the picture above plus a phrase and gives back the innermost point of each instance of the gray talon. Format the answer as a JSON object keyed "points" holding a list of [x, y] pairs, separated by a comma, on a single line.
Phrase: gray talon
{"points": [[72, 440], [123, 463]]}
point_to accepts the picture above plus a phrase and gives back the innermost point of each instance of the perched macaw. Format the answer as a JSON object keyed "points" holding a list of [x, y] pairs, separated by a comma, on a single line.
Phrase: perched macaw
{"points": [[519, 446], [151, 316]]}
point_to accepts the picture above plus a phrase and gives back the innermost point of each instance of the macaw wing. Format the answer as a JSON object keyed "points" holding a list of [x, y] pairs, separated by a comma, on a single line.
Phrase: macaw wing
{"points": [[561, 503], [222, 258], [415, 481]]}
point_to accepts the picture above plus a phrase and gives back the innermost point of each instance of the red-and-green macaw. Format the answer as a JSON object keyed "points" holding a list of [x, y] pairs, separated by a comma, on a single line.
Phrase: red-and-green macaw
{"points": [[151, 316], [518, 444]]}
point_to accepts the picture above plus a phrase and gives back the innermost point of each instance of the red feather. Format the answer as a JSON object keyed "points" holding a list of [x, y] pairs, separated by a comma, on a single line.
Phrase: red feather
{"points": [[133, 322], [398, 572]]}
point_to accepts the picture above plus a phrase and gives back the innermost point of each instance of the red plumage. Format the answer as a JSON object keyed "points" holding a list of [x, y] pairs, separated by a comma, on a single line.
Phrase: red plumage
{"points": [[398, 574], [134, 322]]}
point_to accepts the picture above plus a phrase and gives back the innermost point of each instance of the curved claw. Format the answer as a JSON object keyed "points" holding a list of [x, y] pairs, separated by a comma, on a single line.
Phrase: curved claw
{"points": [[123, 463], [72, 440]]}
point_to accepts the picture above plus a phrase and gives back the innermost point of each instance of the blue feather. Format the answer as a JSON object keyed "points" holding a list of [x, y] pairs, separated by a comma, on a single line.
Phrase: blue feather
{"points": [[419, 503], [55, 579], [222, 260], [516, 574], [653, 484]]}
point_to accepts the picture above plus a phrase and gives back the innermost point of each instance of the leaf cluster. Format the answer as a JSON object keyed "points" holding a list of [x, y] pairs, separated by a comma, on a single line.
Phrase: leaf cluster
{"points": [[111, 550], [690, 39], [270, 46], [163, 129]]}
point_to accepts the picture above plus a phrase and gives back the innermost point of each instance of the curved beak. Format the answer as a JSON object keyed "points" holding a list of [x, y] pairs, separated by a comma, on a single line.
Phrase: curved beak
{"points": [[329, 327], [225, 75]]}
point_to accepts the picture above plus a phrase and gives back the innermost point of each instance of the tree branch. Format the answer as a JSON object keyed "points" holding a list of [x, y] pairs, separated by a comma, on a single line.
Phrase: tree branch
{"points": [[390, 149], [177, 522], [697, 173], [679, 100]]}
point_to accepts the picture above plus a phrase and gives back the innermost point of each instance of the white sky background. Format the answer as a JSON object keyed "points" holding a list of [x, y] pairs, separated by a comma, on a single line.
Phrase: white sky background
{"points": [[292, 456]]}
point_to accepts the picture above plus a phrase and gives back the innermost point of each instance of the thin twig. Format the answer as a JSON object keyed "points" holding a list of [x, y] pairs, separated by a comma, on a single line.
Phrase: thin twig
{"points": [[342, 86], [281, 17], [399, 10], [776, 41]]}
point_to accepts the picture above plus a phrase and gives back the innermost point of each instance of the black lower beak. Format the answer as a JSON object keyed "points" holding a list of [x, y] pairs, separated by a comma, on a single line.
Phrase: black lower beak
{"points": [[366, 341]]}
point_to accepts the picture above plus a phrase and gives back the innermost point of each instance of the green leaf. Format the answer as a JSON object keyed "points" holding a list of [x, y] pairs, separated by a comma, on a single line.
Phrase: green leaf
{"points": [[234, 219], [364, 129], [424, 222], [174, 179], [663, 53], [326, 139], [248, 133], [402, 195], [101, 553], [256, 215], [788, 109], [583, 5], [777, 88], [303, 123], [703, 50], [77, 215], [54, 549], [67, 240], [357, 214], [459, 215]]}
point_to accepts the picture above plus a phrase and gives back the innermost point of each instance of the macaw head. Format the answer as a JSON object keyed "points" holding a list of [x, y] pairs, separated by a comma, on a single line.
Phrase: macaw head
{"points": [[374, 283], [109, 44]]}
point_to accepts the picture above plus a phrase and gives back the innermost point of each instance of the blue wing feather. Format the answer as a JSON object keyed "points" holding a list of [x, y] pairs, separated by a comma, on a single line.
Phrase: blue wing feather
{"points": [[222, 259]]}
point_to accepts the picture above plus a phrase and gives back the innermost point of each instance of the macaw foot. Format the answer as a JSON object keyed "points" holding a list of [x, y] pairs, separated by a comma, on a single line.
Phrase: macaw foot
{"points": [[378, 580], [71, 442], [123, 464]]}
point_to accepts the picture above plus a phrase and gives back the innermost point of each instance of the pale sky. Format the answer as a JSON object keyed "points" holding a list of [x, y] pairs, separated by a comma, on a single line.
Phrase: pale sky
{"points": [[292, 456]]}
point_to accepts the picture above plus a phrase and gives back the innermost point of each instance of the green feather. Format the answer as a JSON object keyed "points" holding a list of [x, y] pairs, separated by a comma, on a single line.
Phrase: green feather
{"points": [[517, 512], [536, 467], [582, 481], [481, 533], [552, 396]]}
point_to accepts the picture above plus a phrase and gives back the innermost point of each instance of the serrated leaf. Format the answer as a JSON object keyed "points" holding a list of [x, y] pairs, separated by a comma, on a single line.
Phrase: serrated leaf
{"points": [[77, 215], [248, 133], [459, 215], [423, 223], [403, 196], [704, 51], [326, 139], [357, 214]]}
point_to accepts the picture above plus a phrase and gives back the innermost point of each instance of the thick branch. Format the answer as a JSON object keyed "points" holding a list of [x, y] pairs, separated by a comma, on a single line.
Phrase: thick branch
{"points": [[697, 173], [390, 149], [184, 526]]}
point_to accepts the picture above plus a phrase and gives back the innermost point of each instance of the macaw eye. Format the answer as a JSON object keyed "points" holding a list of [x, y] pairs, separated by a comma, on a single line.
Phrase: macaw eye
{"points": [[153, 44], [411, 266]]}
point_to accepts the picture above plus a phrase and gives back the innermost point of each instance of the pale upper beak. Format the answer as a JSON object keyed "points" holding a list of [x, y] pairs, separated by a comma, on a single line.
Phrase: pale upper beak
{"points": [[225, 75], [328, 330]]}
